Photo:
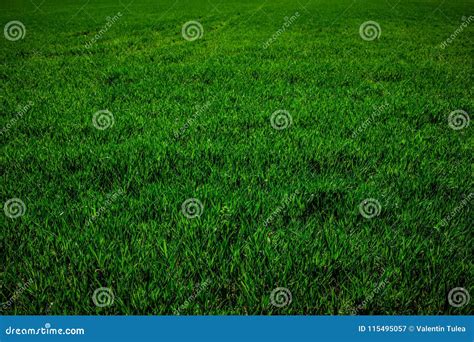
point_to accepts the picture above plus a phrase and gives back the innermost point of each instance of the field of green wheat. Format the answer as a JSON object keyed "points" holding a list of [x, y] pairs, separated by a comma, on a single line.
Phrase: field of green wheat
{"points": [[236, 157]]}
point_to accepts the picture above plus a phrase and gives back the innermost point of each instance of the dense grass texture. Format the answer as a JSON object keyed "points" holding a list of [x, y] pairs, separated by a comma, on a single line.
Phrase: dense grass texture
{"points": [[281, 161]]}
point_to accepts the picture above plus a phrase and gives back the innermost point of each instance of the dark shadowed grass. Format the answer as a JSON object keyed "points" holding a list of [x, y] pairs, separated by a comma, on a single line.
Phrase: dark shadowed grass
{"points": [[369, 121]]}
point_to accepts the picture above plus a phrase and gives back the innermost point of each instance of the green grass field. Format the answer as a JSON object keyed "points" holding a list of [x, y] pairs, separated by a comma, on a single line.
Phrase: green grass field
{"points": [[277, 153]]}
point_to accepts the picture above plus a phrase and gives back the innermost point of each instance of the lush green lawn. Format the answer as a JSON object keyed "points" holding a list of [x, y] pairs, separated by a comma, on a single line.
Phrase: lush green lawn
{"points": [[192, 120]]}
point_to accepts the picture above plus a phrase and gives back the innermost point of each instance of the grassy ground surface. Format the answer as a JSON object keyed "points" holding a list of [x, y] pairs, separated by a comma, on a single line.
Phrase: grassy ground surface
{"points": [[281, 208]]}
